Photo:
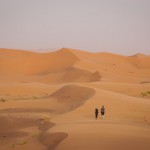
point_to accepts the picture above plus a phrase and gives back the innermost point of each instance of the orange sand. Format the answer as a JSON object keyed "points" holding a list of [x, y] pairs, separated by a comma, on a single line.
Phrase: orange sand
{"points": [[47, 100]]}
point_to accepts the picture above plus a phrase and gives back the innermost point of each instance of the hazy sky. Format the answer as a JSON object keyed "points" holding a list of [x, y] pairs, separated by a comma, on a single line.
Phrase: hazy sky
{"points": [[118, 26]]}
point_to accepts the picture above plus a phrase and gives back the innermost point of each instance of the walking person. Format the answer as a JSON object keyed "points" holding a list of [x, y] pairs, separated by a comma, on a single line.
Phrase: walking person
{"points": [[102, 112], [96, 113]]}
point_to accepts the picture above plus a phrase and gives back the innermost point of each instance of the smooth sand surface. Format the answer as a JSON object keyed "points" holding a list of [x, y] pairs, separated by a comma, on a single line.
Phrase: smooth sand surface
{"points": [[47, 100]]}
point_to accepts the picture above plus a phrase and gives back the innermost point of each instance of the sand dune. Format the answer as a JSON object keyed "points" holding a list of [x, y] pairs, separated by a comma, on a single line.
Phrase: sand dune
{"points": [[54, 67], [140, 61], [71, 74], [61, 101], [126, 125], [130, 89], [30, 63], [73, 96], [47, 100]]}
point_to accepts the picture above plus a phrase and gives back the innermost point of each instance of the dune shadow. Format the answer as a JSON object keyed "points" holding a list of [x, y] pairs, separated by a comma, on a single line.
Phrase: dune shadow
{"points": [[68, 97], [72, 96], [51, 140], [13, 128]]}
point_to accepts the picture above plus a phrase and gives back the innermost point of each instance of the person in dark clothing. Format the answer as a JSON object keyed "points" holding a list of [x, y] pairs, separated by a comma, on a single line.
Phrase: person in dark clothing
{"points": [[96, 113], [102, 112]]}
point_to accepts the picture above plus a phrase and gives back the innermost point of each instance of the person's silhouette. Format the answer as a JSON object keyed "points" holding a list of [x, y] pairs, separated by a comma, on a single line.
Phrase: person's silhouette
{"points": [[96, 113], [102, 112]]}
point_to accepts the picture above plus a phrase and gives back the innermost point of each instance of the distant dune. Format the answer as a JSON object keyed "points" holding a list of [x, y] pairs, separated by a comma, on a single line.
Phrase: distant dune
{"points": [[47, 100], [65, 63], [140, 60], [30, 63]]}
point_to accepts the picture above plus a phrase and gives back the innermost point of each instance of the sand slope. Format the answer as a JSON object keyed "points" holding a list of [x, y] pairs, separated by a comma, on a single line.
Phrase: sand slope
{"points": [[30, 63], [47, 100]]}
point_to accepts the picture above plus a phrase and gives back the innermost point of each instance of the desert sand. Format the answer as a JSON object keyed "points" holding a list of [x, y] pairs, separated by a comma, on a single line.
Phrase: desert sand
{"points": [[47, 100]]}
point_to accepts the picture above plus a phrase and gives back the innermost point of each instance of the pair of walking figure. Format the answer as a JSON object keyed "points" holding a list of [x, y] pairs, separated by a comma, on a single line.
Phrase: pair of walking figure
{"points": [[102, 110]]}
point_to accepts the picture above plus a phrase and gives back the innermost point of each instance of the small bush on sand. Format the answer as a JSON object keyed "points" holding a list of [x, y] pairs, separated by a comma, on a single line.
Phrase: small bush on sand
{"points": [[147, 93], [2, 100], [13, 145], [143, 94], [35, 135], [34, 97], [23, 143]]}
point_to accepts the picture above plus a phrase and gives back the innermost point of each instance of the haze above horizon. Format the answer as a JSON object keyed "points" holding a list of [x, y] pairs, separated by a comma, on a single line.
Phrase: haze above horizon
{"points": [[116, 26]]}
